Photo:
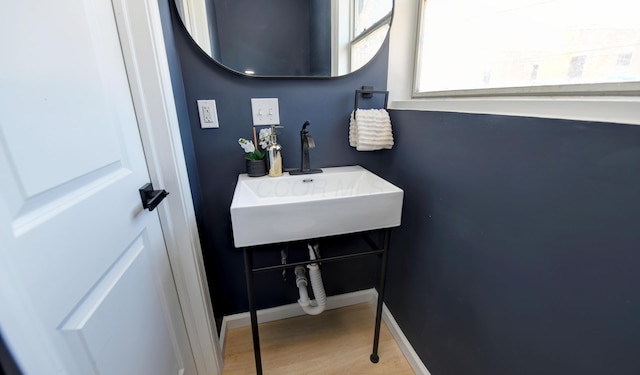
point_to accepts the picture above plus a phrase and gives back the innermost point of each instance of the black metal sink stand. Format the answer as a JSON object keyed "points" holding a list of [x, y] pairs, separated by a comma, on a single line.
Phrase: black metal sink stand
{"points": [[377, 250]]}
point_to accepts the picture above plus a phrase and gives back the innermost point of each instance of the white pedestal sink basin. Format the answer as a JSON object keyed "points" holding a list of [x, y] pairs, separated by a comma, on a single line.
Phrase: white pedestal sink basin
{"points": [[288, 208]]}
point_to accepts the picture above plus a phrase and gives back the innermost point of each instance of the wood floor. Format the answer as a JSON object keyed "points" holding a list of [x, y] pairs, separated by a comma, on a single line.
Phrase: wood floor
{"points": [[336, 342]]}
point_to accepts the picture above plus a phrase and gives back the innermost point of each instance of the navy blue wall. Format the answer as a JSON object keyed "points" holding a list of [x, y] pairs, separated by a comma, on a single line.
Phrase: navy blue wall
{"points": [[320, 38], [218, 159], [518, 252], [273, 34], [181, 106], [213, 31]]}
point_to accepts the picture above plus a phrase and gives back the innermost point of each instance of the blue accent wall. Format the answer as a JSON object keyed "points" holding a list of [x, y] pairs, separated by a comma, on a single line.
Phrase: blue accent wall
{"points": [[273, 34], [320, 38], [181, 105], [218, 159], [518, 252], [519, 248], [213, 31]]}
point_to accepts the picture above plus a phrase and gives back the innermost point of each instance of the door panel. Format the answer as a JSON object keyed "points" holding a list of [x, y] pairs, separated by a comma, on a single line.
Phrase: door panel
{"points": [[90, 261], [66, 45], [127, 283]]}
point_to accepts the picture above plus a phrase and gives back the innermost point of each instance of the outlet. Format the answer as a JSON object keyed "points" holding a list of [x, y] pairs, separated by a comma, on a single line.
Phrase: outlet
{"points": [[265, 111], [208, 114]]}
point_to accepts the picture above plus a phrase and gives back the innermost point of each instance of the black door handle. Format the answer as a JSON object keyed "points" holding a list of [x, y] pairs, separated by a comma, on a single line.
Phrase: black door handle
{"points": [[151, 198]]}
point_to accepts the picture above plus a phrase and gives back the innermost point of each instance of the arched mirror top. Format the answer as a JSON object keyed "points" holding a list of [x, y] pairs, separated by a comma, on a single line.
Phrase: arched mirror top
{"points": [[288, 38]]}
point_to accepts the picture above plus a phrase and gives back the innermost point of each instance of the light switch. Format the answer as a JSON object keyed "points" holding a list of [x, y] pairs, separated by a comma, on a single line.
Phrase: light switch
{"points": [[208, 114], [265, 111]]}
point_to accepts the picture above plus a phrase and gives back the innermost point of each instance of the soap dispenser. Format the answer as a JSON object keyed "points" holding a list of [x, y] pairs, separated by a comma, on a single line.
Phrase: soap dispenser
{"points": [[274, 153]]}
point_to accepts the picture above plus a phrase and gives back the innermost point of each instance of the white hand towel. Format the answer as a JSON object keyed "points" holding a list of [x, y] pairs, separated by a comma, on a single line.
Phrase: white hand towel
{"points": [[353, 130], [370, 130]]}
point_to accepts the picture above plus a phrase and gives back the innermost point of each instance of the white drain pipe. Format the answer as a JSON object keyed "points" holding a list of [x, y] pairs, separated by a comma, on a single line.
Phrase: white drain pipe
{"points": [[318, 305]]}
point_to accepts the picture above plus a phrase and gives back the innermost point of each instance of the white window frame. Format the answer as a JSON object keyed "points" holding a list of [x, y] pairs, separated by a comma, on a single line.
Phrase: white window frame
{"points": [[615, 106], [340, 36], [343, 13], [617, 88], [195, 17], [354, 39]]}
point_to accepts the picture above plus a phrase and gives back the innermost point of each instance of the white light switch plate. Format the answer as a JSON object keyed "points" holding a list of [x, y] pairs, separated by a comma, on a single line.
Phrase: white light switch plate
{"points": [[208, 114], [265, 111]]}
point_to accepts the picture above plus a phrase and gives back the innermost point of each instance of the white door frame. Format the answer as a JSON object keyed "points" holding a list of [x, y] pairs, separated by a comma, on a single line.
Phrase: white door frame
{"points": [[141, 37], [142, 40]]}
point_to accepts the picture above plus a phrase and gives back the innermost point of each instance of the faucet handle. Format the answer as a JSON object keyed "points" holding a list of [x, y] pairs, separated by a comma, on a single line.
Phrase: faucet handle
{"points": [[310, 141]]}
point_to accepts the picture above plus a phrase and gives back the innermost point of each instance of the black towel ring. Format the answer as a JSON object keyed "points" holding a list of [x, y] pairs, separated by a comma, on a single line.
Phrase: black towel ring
{"points": [[367, 92]]}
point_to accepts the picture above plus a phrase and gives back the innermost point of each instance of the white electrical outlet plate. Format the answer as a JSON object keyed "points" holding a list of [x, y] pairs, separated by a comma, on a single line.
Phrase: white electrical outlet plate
{"points": [[265, 111], [208, 114]]}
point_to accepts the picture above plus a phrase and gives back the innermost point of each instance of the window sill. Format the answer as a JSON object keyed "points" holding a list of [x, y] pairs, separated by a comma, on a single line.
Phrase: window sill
{"points": [[623, 110]]}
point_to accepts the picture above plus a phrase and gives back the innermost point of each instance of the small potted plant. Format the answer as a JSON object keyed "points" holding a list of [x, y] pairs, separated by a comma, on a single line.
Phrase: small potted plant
{"points": [[256, 162]]}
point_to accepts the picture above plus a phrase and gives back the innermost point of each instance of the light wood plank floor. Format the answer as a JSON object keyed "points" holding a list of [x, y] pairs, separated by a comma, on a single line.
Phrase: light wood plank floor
{"points": [[335, 342]]}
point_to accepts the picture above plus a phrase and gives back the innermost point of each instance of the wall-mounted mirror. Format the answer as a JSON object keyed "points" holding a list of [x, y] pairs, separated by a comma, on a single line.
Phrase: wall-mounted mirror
{"points": [[288, 38]]}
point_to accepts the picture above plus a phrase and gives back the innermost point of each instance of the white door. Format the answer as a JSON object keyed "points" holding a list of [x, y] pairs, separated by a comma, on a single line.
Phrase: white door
{"points": [[84, 268]]}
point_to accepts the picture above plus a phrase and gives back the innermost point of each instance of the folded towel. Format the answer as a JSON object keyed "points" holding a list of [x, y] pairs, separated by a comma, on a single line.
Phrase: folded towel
{"points": [[353, 131], [370, 130]]}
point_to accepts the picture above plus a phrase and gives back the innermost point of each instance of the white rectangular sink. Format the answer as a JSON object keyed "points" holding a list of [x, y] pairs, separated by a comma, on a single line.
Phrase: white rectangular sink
{"points": [[288, 208]]}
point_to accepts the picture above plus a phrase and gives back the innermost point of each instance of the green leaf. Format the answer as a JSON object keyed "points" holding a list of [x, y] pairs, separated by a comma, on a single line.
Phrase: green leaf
{"points": [[256, 155]]}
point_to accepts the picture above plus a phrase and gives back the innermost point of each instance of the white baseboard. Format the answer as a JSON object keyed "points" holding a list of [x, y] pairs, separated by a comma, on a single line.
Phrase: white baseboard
{"points": [[405, 347], [333, 302]]}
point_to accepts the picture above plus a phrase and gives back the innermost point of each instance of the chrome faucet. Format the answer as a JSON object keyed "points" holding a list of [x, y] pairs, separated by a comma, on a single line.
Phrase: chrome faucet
{"points": [[306, 143]]}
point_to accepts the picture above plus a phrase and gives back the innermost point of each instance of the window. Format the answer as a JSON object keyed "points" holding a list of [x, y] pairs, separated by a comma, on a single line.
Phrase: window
{"points": [[469, 47], [370, 24]]}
